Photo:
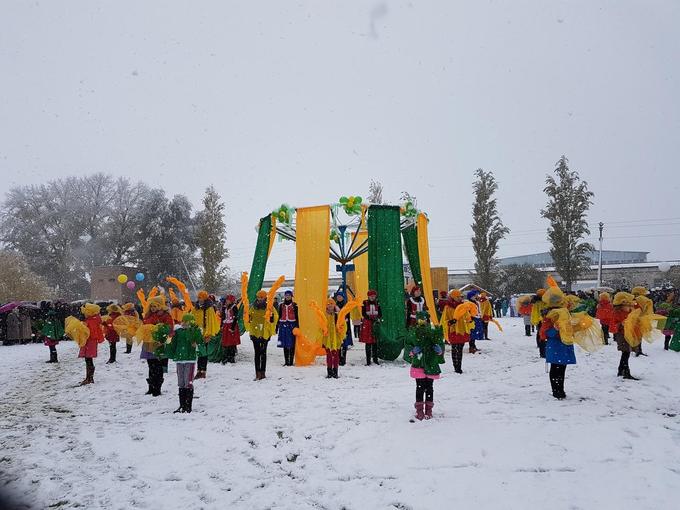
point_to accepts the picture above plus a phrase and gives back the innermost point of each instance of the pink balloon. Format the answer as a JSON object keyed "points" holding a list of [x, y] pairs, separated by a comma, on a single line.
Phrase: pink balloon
{"points": [[130, 285]]}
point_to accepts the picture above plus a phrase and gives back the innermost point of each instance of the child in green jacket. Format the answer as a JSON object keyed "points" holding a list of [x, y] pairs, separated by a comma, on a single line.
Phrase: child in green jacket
{"points": [[424, 350], [182, 349]]}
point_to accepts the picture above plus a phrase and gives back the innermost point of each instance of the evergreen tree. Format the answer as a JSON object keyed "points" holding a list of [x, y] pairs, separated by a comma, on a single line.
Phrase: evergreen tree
{"points": [[211, 236], [568, 204], [518, 279], [487, 228]]}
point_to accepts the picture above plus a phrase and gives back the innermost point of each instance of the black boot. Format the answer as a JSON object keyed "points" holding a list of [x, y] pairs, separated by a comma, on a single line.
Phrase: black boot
{"points": [[189, 399], [329, 372], [374, 348], [335, 372], [527, 330], [368, 354], [53, 355], [157, 387], [128, 348], [666, 342], [182, 401], [343, 356], [626, 375]]}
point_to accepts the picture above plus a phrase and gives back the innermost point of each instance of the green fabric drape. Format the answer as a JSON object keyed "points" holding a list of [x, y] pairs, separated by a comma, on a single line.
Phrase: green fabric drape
{"points": [[386, 276], [410, 236], [256, 276], [214, 349]]}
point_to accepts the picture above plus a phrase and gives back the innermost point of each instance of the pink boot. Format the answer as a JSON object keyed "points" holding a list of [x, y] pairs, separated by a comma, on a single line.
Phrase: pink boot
{"points": [[428, 410], [419, 410]]}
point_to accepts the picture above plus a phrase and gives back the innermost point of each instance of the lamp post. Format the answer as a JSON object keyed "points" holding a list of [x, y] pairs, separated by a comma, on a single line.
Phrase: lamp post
{"points": [[599, 265]]}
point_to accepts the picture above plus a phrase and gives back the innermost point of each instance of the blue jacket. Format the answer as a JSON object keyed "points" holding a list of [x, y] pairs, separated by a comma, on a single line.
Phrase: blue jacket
{"points": [[556, 352]]}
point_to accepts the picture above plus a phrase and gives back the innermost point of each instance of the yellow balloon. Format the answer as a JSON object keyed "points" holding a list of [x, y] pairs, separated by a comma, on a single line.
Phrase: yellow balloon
{"points": [[122, 278]]}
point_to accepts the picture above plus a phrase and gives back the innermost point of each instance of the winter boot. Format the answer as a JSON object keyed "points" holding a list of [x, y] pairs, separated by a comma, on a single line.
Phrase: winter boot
{"points": [[150, 390], [189, 399], [156, 388], [368, 355], [329, 372], [182, 401], [420, 414], [334, 372], [666, 342], [112, 355], [87, 377], [527, 330], [428, 410], [128, 348], [626, 375], [53, 356]]}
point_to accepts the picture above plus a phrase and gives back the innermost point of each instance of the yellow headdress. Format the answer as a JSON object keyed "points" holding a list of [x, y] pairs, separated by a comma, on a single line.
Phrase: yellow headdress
{"points": [[604, 296], [639, 291], [114, 308], [157, 303], [202, 295], [554, 298], [623, 298], [90, 309]]}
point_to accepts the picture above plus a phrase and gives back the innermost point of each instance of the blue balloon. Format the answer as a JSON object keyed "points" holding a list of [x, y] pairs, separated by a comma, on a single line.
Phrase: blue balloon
{"points": [[139, 277]]}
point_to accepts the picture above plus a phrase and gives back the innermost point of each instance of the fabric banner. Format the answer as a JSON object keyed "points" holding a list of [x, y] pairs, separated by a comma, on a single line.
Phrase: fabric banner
{"points": [[260, 257], [410, 236], [386, 276], [312, 246], [358, 279], [424, 266]]}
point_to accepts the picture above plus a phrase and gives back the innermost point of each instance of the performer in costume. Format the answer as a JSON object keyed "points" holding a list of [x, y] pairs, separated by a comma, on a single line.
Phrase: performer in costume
{"points": [[486, 313], [371, 315], [347, 341], [622, 306], [424, 350], [671, 311], [261, 330], [478, 332], [457, 326], [639, 291], [442, 301], [231, 334], [114, 311], [157, 313], [288, 321], [332, 340], [129, 309], [182, 350], [52, 331], [524, 308], [603, 313], [93, 335], [414, 304], [207, 320], [557, 353]]}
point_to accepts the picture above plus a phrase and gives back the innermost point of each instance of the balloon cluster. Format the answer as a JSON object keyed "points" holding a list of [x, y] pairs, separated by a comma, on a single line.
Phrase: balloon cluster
{"points": [[130, 284]]}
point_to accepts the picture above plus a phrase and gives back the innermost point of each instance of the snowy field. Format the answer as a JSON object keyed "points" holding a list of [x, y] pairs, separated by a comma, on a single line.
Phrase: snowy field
{"points": [[296, 440]]}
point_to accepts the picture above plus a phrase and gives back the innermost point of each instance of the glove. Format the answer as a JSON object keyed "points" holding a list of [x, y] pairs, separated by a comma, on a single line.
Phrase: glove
{"points": [[438, 349], [415, 351]]}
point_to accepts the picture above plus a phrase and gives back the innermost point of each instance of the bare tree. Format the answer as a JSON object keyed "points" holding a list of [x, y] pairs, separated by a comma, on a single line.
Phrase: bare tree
{"points": [[375, 192]]}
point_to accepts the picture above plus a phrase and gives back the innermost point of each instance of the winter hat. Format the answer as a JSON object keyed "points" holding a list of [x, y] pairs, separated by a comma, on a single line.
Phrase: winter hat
{"points": [[114, 308], [371, 293], [261, 294], [128, 306], [623, 299], [157, 303], [416, 288], [554, 297], [605, 297], [90, 309], [455, 294], [188, 317], [540, 292], [639, 291], [288, 293], [472, 294], [230, 298], [331, 302], [202, 295], [443, 294]]}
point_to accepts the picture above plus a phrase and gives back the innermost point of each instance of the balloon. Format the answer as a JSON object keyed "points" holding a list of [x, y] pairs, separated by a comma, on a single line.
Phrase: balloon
{"points": [[664, 267], [139, 277], [131, 285], [122, 278]]}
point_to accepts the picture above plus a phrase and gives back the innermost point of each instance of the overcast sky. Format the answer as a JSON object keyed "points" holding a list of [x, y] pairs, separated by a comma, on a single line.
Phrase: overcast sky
{"points": [[302, 102]]}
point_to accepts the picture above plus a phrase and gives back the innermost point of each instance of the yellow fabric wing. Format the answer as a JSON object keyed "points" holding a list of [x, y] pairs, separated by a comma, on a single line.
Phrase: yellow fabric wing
{"points": [[76, 330]]}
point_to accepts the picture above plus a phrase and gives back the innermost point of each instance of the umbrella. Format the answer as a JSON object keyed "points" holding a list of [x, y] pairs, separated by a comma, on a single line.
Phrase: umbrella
{"points": [[8, 307], [31, 306], [604, 289]]}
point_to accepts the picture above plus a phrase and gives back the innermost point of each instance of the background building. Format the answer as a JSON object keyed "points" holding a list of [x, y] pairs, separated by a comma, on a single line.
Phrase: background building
{"points": [[544, 259]]}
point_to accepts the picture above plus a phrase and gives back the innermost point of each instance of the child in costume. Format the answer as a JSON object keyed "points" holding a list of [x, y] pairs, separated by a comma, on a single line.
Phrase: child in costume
{"points": [[537, 308], [52, 332], [622, 306], [332, 339], [457, 321], [114, 311], [129, 310], [371, 315], [478, 332], [347, 341], [414, 304], [157, 313], [557, 353], [207, 320], [603, 313], [424, 350], [524, 307], [637, 292], [486, 312], [93, 321], [231, 334], [288, 321], [671, 311], [182, 350], [261, 325]]}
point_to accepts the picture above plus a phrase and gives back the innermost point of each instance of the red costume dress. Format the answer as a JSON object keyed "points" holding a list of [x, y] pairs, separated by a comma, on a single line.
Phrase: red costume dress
{"points": [[94, 324], [231, 335], [370, 311]]}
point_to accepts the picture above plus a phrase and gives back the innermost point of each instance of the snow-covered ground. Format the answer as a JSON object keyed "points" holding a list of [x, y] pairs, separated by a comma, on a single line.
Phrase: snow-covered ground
{"points": [[299, 441]]}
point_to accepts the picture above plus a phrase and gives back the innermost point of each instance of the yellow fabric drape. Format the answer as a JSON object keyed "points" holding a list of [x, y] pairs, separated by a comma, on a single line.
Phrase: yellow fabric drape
{"points": [[359, 277], [312, 246], [424, 257]]}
